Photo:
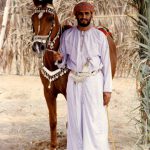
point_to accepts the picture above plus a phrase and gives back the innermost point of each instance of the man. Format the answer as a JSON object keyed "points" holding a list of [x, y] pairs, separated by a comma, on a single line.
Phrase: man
{"points": [[85, 51]]}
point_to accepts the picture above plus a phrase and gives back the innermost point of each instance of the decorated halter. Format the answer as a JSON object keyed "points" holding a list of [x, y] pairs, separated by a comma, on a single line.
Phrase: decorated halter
{"points": [[46, 39], [49, 75]]}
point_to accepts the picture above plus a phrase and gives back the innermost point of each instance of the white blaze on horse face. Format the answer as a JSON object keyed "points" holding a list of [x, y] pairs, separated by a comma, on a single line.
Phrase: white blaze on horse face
{"points": [[37, 48], [40, 15]]}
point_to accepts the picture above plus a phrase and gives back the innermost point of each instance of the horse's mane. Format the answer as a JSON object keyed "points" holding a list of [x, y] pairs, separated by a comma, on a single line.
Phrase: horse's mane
{"points": [[42, 2]]}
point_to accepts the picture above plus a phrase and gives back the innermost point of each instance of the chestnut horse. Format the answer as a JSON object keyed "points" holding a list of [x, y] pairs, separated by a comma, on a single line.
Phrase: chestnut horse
{"points": [[47, 31]]}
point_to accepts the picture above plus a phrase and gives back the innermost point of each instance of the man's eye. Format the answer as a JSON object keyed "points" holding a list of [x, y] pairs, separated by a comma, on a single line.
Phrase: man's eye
{"points": [[87, 13]]}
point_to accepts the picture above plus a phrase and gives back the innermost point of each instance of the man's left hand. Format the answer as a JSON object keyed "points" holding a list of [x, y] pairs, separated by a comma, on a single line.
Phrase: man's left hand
{"points": [[106, 97]]}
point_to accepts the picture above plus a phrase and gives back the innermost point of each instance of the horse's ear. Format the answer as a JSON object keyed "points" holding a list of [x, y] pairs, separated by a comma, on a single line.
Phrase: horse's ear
{"points": [[42, 2], [48, 1]]}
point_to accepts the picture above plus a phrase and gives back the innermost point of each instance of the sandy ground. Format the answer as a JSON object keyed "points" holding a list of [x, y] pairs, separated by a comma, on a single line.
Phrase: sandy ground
{"points": [[24, 116]]}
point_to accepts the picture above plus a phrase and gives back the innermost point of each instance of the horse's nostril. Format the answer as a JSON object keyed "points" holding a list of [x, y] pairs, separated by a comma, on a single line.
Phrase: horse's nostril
{"points": [[42, 47], [38, 47]]}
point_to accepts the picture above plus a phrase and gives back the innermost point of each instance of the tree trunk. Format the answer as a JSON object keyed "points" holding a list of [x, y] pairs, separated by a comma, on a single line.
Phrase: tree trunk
{"points": [[4, 23], [145, 78], [148, 15]]}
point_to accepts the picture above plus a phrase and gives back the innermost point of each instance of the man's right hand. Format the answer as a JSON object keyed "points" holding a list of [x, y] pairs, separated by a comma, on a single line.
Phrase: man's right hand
{"points": [[57, 56], [106, 97]]}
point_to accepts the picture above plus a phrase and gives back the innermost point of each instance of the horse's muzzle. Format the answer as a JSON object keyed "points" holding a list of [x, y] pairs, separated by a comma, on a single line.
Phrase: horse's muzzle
{"points": [[38, 47]]}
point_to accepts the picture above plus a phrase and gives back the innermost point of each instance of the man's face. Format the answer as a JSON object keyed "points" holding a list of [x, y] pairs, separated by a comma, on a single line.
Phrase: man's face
{"points": [[84, 18]]}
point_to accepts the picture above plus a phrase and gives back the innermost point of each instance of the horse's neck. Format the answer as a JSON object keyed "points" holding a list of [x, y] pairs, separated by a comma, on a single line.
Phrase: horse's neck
{"points": [[57, 24], [48, 57], [49, 62]]}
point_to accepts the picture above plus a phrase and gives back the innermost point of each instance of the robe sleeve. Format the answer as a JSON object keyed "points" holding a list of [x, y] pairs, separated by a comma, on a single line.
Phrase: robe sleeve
{"points": [[62, 49], [105, 58]]}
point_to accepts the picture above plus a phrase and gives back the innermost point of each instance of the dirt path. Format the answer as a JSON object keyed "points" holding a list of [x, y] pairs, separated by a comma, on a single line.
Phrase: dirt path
{"points": [[24, 116]]}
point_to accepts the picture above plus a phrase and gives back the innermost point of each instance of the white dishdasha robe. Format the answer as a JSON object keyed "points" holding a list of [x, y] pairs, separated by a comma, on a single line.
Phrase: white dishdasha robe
{"points": [[87, 117]]}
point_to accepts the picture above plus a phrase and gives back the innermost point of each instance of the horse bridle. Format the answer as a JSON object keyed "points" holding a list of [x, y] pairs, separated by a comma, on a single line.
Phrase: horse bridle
{"points": [[50, 75], [46, 39]]}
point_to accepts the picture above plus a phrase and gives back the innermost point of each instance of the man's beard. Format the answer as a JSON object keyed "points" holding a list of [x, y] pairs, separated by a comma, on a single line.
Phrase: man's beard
{"points": [[84, 24]]}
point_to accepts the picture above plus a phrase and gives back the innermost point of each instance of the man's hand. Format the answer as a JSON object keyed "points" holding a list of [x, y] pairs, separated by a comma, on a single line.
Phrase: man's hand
{"points": [[106, 97], [57, 56]]}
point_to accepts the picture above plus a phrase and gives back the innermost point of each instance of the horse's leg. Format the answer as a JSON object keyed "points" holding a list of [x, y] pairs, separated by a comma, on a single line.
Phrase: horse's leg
{"points": [[51, 103]]}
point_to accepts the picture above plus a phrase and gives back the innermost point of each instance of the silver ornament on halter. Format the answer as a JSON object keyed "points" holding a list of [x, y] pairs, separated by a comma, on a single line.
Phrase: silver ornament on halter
{"points": [[51, 44], [49, 86]]}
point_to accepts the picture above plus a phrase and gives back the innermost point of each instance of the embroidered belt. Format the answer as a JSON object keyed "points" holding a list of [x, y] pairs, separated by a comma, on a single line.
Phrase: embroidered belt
{"points": [[81, 76]]}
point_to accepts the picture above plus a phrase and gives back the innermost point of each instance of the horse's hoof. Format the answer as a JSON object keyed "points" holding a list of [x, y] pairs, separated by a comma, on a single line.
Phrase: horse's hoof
{"points": [[53, 148]]}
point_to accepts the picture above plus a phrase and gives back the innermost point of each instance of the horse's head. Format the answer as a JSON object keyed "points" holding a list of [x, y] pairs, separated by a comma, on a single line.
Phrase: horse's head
{"points": [[45, 27]]}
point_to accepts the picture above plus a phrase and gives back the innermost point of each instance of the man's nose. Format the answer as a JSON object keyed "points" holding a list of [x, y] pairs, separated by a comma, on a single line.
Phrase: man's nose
{"points": [[83, 15]]}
